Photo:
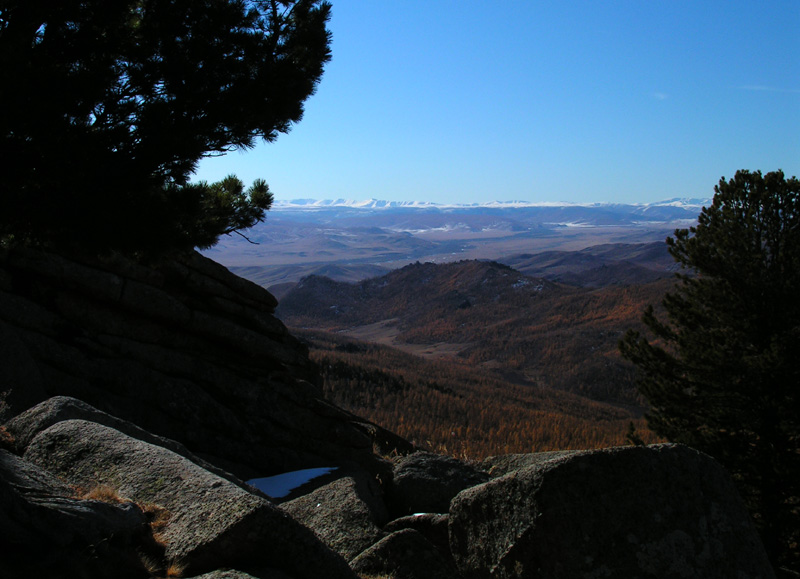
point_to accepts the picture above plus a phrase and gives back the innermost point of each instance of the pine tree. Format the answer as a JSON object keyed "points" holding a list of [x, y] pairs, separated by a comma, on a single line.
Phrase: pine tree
{"points": [[106, 107], [722, 373]]}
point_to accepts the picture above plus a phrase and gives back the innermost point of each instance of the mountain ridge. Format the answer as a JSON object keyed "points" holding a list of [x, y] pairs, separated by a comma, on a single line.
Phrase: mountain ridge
{"points": [[312, 233], [373, 203], [489, 315]]}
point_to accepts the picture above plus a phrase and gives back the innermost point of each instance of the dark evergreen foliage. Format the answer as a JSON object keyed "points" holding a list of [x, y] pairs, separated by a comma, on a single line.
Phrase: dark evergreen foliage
{"points": [[722, 373], [106, 108]]}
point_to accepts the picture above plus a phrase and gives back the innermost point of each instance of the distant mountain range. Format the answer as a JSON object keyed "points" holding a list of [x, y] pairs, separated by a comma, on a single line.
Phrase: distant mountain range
{"points": [[420, 216], [351, 240], [314, 204]]}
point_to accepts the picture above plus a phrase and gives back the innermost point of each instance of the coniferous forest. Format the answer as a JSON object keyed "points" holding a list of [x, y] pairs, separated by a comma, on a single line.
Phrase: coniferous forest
{"points": [[529, 365], [450, 407]]}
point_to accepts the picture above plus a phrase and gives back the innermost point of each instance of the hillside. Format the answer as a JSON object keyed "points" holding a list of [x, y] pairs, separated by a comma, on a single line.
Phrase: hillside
{"points": [[451, 407], [599, 265], [522, 329]]}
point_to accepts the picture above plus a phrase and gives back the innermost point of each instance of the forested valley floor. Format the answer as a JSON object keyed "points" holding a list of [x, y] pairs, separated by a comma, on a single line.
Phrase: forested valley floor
{"points": [[450, 406], [475, 359]]}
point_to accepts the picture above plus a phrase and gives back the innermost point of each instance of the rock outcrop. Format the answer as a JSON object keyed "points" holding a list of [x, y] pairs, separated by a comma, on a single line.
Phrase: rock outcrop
{"points": [[405, 554], [24, 427], [47, 531], [663, 511], [432, 526], [212, 523], [346, 514], [183, 349], [424, 482], [503, 464]]}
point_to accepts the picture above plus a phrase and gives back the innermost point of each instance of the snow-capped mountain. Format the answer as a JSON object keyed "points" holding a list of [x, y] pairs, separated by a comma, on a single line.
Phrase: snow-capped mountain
{"points": [[314, 204]]}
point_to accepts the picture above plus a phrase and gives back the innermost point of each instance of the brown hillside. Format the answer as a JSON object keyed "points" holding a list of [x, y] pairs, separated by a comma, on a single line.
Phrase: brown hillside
{"points": [[449, 406], [523, 329]]}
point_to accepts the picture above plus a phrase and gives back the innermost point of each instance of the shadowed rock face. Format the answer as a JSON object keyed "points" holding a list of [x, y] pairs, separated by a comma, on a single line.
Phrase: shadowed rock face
{"points": [[662, 511], [27, 425], [405, 554], [47, 532], [424, 482], [212, 522], [503, 464], [432, 526], [183, 349], [345, 514]]}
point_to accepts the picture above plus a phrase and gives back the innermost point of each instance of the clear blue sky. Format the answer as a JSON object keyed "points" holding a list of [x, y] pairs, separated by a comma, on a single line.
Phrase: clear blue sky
{"points": [[583, 101]]}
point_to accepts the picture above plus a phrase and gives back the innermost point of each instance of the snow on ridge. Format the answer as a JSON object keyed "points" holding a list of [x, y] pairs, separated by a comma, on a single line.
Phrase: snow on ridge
{"points": [[688, 203], [302, 204], [311, 204], [376, 204]]}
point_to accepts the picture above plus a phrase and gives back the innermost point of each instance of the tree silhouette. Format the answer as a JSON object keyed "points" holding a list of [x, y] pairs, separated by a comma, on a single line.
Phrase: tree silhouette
{"points": [[106, 108], [722, 374]]}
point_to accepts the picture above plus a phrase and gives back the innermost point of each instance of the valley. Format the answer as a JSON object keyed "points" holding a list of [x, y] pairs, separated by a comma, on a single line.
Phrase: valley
{"points": [[471, 332], [536, 359]]}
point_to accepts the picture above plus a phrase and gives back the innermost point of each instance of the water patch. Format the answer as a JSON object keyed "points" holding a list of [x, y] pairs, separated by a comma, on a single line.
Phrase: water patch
{"points": [[281, 485]]}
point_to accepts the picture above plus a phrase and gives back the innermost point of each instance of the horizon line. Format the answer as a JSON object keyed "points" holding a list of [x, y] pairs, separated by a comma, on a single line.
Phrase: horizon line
{"points": [[375, 204]]}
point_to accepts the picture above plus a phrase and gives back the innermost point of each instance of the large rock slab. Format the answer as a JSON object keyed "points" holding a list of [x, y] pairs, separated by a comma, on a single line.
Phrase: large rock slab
{"points": [[345, 514], [663, 511], [405, 554], [503, 464], [213, 523], [432, 526], [45, 531], [27, 425], [424, 482]]}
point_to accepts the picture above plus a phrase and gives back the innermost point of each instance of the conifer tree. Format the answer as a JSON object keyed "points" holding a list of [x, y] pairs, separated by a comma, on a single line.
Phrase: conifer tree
{"points": [[722, 372], [106, 107]]}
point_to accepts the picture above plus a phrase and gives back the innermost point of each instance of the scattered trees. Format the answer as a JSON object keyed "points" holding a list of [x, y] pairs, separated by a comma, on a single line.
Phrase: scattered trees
{"points": [[106, 108], [722, 373], [458, 408]]}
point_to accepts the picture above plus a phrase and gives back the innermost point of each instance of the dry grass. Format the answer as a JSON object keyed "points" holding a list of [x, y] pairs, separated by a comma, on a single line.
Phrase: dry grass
{"points": [[104, 493], [6, 439], [157, 516], [157, 519], [160, 570], [150, 564], [175, 569], [155, 562]]}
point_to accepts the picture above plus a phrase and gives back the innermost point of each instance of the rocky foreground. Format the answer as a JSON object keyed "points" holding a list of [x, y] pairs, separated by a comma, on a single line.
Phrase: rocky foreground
{"points": [[140, 398]]}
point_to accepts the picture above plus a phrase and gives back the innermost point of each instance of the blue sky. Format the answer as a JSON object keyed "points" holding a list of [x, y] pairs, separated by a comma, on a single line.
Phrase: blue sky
{"points": [[583, 101]]}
